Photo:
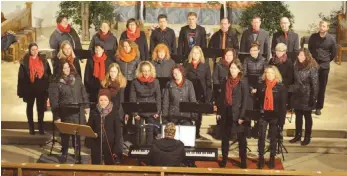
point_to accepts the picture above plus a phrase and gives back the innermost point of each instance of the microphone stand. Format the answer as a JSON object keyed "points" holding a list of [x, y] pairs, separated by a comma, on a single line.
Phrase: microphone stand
{"points": [[101, 136]]}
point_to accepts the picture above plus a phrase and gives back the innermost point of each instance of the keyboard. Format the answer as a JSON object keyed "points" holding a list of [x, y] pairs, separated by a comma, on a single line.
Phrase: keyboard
{"points": [[195, 154]]}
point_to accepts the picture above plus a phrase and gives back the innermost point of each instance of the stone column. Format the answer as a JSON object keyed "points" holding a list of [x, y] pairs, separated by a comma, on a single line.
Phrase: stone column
{"points": [[85, 22]]}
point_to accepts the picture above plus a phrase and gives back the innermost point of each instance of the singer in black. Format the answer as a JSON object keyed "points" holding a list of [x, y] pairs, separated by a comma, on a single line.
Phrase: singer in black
{"points": [[179, 89], [146, 89], [272, 97], [305, 91], [106, 36], [67, 89], [231, 108], [33, 80], [167, 151], [199, 73], [105, 118]]}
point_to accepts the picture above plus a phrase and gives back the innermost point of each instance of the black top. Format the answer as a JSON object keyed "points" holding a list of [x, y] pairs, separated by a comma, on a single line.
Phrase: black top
{"points": [[191, 37], [167, 152], [323, 50], [231, 40], [286, 69], [166, 37], [292, 42], [110, 43]]}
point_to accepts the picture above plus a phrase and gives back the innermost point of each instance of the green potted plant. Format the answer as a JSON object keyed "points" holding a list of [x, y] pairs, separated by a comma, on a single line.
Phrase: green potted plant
{"points": [[270, 13]]}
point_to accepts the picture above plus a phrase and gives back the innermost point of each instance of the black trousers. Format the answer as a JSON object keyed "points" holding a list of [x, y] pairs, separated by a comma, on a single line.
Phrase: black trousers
{"points": [[263, 122], [65, 139], [40, 107], [150, 129], [299, 120], [95, 153], [198, 123], [323, 74]]}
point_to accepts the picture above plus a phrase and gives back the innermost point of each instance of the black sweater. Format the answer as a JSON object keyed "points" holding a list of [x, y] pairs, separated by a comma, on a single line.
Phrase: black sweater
{"points": [[323, 50], [166, 37]]}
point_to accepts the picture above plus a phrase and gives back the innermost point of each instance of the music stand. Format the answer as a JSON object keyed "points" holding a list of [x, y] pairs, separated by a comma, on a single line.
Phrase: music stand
{"points": [[213, 52], [76, 130], [195, 107], [242, 56], [179, 59], [83, 54]]}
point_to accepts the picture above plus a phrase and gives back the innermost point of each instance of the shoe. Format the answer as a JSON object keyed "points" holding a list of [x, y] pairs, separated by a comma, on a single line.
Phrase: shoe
{"points": [[223, 163], [306, 141], [272, 162], [42, 132], [243, 164], [318, 112], [261, 162], [32, 132], [62, 159], [197, 136], [295, 139]]}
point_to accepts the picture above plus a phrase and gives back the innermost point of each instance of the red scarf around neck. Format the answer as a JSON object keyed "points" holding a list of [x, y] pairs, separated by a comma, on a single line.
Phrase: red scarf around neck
{"points": [[195, 64], [62, 29], [230, 85], [36, 68], [179, 84], [99, 66], [269, 98], [285, 35], [146, 80], [103, 36], [133, 36]]}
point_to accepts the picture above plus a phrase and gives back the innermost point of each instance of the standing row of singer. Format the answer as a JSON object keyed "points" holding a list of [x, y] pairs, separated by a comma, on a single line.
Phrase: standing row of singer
{"points": [[122, 72]]}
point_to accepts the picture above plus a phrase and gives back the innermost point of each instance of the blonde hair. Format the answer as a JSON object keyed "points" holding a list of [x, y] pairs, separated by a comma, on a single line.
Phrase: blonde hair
{"points": [[278, 75], [281, 47], [190, 56], [324, 21], [61, 54], [158, 48], [120, 77], [143, 63], [170, 130]]}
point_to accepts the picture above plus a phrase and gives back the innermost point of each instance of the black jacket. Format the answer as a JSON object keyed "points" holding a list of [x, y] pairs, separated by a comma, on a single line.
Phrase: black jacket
{"points": [[239, 100], [292, 42], [141, 42], [230, 42], [163, 67], [61, 97], [167, 152], [167, 37], [280, 100], [110, 44], [57, 37], [305, 88], [323, 50], [253, 70], [76, 64], [128, 68], [200, 39], [286, 69], [263, 38], [220, 74], [25, 88], [146, 92], [201, 79], [92, 83], [172, 97], [112, 127]]}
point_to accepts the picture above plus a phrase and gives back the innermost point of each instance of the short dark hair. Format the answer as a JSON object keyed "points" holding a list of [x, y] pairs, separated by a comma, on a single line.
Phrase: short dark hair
{"points": [[162, 16], [225, 19], [60, 18], [255, 44], [256, 17], [131, 20], [99, 44], [192, 14]]}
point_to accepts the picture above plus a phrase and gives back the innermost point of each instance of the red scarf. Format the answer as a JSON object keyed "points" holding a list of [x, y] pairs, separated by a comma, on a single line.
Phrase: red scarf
{"points": [[70, 59], [230, 85], [269, 98], [285, 35], [283, 58], [99, 66], [133, 36], [195, 64], [36, 68], [179, 84], [146, 80], [103, 36], [62, 29], [225, 63]]}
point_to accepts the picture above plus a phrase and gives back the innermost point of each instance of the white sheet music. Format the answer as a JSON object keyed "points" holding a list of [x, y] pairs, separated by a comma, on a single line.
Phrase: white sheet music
{"points": [[184, 133]]}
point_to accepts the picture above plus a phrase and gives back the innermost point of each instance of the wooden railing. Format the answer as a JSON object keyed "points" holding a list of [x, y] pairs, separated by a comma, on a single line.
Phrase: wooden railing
{"points": [[32, 169]]}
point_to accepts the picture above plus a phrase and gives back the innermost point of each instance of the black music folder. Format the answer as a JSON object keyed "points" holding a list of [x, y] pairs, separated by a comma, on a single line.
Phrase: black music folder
{"points": [[179, 59], [195, 107], [139, 107], [213, 52]]}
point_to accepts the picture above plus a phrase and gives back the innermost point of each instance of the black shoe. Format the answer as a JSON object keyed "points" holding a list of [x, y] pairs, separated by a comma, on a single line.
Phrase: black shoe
{"points": [[295, 139], [223, 163], [62, 159], [32, 132], [272, 162], [42, 132], [243, 164], [197, 136], [306, 141], [318, 112], [261, 163]]}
